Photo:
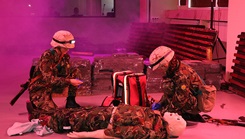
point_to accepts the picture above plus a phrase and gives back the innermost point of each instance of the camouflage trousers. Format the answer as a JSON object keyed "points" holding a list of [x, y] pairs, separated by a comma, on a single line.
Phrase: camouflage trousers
{"points": [[87, 118], [41, 92]]}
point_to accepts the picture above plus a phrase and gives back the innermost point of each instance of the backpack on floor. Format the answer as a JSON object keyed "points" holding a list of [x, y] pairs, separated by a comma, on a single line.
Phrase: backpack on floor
{"points": [[128, 88], [206, 99]]}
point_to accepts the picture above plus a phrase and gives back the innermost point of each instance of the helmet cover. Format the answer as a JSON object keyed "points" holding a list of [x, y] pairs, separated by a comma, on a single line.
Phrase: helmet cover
{"points": [[64, 39], [161, 56]]}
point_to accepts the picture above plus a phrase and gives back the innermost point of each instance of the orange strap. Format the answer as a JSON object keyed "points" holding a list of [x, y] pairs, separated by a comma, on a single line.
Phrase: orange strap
{"points": [[34, 79]]}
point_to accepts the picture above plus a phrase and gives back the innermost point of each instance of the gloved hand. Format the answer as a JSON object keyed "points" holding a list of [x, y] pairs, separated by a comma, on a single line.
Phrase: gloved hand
{"points": [[156, 106]]}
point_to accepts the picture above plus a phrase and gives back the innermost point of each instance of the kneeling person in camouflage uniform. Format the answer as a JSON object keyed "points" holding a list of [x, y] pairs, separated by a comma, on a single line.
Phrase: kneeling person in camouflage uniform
{"points": [[53, 74], [179, 93]]}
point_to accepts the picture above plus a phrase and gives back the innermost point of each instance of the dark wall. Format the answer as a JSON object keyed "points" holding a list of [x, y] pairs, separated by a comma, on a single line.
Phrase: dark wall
{"points": [[32, 34]]}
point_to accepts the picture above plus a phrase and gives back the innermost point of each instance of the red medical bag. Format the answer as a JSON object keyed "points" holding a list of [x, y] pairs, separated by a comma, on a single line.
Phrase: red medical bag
{"points": [[128, 88]]}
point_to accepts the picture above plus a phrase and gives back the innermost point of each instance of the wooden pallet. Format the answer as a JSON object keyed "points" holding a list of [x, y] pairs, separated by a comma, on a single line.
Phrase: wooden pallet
{"points": [[145, 37], [188, 41], [237, 81]]}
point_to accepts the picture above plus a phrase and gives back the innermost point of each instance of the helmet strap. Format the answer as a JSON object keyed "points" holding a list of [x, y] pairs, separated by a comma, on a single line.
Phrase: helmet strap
{"points": [[63, 42], [159, 60]]}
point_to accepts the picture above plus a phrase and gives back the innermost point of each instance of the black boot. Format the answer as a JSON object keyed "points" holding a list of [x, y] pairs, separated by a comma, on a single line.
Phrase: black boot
{"points": [[193, 117], [30, 109], [71, 102]]}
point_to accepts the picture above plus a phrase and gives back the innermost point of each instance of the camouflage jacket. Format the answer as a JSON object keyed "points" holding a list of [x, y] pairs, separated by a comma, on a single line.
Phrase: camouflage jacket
{"points": [[179, 91], [127, 122], [51, 71]]}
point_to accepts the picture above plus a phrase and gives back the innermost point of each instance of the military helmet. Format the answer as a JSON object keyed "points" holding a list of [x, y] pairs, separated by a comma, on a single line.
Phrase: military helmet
{"points": [[64, 39], [162, 55]]}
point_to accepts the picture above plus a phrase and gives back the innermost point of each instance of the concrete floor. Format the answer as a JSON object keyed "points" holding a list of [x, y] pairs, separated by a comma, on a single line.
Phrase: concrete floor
{"points": [[14, 71]]}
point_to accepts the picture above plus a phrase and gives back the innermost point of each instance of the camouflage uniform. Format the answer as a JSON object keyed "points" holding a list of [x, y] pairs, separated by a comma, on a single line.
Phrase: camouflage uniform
{"points": [[127, 122], [52, 75], [179, 93]]}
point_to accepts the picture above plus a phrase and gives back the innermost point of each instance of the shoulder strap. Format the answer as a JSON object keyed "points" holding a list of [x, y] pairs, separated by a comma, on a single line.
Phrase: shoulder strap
{"points": [[209, 119], [34, 79], [52, 51], [139, 89]]}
